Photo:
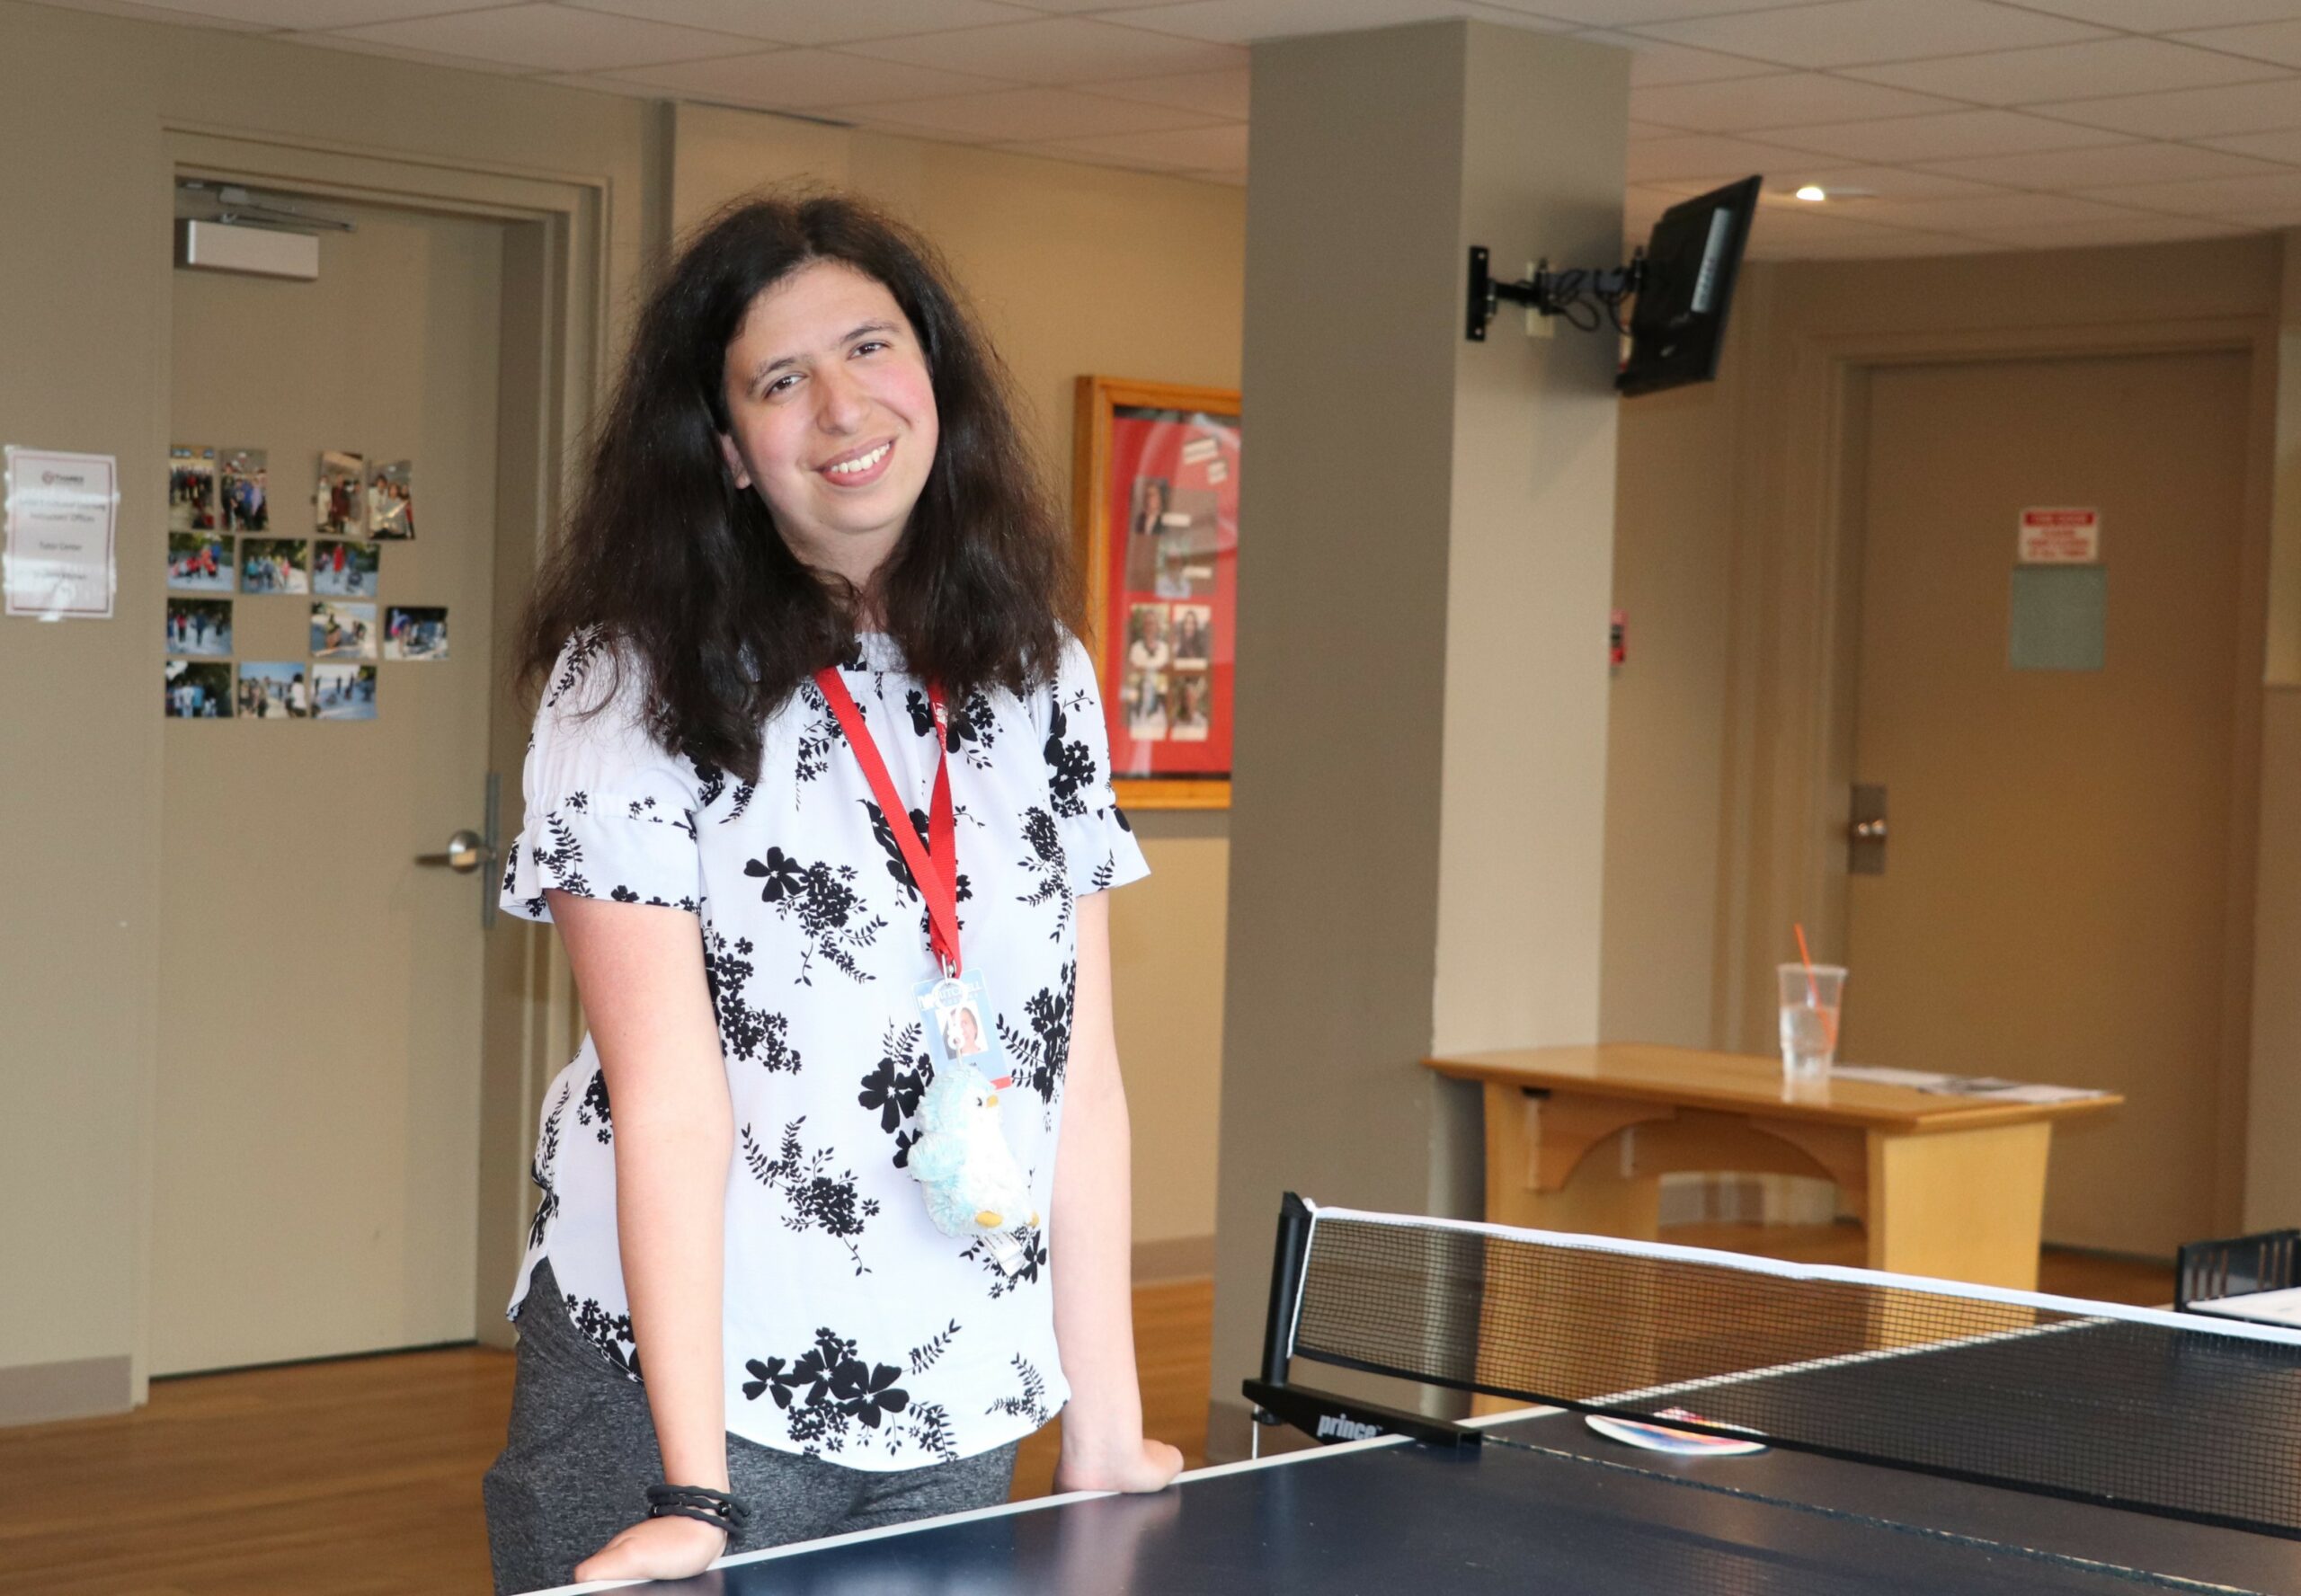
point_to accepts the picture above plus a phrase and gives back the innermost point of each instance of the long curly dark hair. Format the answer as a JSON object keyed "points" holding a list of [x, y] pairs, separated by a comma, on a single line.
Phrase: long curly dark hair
{"points": [[665, 558]]}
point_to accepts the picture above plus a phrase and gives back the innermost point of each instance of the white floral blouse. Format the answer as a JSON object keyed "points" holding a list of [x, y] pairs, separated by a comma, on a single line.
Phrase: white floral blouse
{"points": [[855, 1330]]}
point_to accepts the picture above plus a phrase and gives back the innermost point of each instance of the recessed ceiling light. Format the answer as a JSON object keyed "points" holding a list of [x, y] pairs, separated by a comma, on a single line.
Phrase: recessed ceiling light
{"points": [[1813, 193]]}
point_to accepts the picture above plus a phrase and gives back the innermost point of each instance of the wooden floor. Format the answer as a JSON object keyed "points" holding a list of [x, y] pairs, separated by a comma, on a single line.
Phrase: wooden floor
{"points": [[361, 1477]]}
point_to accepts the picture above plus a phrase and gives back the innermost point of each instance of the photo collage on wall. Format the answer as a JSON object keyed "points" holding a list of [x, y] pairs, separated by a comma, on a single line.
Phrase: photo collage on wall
{"points": [[1174, 524], [223, 546]]}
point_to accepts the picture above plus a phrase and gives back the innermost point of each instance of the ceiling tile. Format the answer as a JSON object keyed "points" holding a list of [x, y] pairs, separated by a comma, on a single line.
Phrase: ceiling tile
{"points": [[1653, 64], [549, 39], [2257, 202], [2193, 113], [2132, 229], [2283, 146], [298, 14], [1850, 32], [2106, 166], [1014, 116], [2095, 67], [1975, 212], [1779, 100], [1628, 14], [1056, 51], [1241, 21], [1862, 184], [810, 21], [174, 17], [366, 46], [1943, 138], [2163, 16], [1870, 243], [1186, 149], [1216, 94], [1700, 155], [801, 80], [2279, 42]]}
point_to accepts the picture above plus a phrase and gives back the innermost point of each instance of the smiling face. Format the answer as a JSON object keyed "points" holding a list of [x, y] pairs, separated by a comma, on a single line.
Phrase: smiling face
{"points": [[832, 415]]}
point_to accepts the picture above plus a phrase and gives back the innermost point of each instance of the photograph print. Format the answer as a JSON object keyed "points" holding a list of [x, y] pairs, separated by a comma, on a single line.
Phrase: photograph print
{"points": [[1188, 706], [191, 488], [202, 627], [391, 503], [275, 565], [1194, 634], [415, 632], [339, 505], [346, 570], [343, 631], [197, 690], [275, 690], [247, 492], [343, 692], [200, 562]]}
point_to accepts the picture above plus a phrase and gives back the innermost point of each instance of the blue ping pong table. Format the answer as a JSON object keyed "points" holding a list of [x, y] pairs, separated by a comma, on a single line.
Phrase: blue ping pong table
{"points": [[1547, 1505]]}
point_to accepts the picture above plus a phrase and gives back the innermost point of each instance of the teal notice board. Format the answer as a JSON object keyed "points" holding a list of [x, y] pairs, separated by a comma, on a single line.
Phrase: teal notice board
{"points": [[2060, 618]]}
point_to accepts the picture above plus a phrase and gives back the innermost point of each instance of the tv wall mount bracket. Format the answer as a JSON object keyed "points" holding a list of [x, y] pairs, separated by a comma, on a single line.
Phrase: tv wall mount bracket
{"points": [[1579, 296]]}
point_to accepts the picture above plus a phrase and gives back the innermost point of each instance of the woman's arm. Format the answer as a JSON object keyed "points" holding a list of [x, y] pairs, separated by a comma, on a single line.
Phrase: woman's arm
{"points": [[1091, 1236], [648, 1005]]}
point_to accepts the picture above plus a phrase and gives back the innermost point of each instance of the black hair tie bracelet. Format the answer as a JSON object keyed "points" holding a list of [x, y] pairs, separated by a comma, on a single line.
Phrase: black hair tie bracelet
{"points": [[714, 1508]]}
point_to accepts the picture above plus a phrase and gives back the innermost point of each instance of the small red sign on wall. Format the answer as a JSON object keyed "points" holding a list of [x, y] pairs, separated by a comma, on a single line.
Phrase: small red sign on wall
{"points": [[2060, 538]]}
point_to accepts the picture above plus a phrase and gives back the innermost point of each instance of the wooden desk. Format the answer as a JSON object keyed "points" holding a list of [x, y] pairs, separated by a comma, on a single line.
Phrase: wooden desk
{"points": [[1577, 1139]]}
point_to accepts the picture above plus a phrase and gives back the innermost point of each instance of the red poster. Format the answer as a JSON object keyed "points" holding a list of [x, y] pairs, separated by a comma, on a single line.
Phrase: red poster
{"points": [[1171, 625]]}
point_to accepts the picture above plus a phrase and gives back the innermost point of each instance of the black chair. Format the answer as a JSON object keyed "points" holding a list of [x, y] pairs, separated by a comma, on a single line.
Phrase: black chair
{"points": [[2205, 1270]]}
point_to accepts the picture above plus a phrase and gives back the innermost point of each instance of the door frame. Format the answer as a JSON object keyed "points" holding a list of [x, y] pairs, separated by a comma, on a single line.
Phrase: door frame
{"points": [[1798, 648], [554, 346]]}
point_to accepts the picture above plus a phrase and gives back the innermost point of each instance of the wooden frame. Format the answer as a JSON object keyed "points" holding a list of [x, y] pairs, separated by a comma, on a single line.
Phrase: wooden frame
{"points": [[1099, 398]]}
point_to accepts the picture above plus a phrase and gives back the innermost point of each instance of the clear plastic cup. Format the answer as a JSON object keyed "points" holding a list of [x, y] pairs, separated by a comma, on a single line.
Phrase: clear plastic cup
{"points": [[1811, 998]]}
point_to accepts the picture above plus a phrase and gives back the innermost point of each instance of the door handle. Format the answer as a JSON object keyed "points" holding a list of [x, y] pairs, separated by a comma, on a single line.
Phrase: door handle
{"points": [[1865, 832], [466, 851]]}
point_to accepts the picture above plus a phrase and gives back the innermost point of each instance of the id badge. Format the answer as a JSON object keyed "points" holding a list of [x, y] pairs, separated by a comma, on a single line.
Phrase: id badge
{"points": [[955, 1013]]}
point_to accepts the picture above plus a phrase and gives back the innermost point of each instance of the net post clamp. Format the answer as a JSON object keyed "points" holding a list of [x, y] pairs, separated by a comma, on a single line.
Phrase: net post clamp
{"points": [[1326, 1418]]}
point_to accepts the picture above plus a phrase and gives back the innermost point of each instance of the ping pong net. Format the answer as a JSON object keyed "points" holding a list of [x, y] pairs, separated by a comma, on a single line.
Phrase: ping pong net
{"points": [[2135, 1408]]}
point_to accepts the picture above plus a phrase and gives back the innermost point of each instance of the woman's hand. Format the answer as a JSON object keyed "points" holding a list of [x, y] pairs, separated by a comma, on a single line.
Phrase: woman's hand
{"points": [[655, 1549], [1144, 1465]]}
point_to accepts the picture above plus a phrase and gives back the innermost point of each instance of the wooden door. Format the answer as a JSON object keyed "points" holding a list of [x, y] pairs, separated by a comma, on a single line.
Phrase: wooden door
{"points": [[315, 1135], [2053, 899]]}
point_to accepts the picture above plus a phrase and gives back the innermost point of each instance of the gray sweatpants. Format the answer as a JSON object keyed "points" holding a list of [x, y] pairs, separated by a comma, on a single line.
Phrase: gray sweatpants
{"points": [[575, 1469]]}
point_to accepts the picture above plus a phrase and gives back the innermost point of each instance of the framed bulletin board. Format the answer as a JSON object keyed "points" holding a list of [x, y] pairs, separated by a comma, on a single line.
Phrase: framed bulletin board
{"points": [[1156, 502]]}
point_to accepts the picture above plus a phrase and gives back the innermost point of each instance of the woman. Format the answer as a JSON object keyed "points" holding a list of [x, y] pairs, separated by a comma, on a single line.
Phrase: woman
{"points": [[810, 509]]}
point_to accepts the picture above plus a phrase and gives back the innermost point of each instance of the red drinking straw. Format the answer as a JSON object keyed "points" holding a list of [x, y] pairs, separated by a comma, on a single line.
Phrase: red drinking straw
{"points": [[1813, 991]]}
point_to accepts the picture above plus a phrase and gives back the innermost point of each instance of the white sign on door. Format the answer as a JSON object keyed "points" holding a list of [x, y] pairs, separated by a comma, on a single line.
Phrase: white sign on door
{"points": [[2060, 538], [61, 512]]}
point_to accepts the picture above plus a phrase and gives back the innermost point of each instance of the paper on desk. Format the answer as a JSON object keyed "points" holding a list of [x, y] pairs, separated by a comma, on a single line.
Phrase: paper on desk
{"points": [[1960, 1086], [2262, 1307]]}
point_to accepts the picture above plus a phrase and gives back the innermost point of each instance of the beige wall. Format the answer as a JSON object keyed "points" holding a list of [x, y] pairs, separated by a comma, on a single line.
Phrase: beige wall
{"points": [[1718, 831], [1075, 270]]}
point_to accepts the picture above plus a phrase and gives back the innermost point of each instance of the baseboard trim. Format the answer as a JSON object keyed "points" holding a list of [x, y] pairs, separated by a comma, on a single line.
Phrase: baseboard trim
{"points": [[82, 1388], [1177, 1257]]}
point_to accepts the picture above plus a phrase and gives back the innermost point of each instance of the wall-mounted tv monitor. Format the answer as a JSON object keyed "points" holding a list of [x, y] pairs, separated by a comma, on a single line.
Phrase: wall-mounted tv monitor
{"points": [[1691, 259]]}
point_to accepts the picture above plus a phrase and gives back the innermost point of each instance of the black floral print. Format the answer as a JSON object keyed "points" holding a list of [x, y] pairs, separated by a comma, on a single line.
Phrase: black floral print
{"points": [[593, 1109], [575, 663], [1040, 1055], [818, 1199], [824, 899], [1046, 865], [896, 1083], [562, 862], [608, 1332], [1032, 1242], [826, 1392], [972, 726], [924, 1356], [821, 734], [1071, 768], [930, 1433], [898, 867], [752, 1034], [539, 1169], [1031, 1403]]}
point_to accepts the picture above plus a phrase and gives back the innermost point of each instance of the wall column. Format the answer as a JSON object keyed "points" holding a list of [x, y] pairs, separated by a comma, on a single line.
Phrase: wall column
{"points": [[1418, 812]]}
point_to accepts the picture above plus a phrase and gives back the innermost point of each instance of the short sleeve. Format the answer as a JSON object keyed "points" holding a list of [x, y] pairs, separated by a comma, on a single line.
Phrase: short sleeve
{"points": [[1099, 846], [608, 813]]}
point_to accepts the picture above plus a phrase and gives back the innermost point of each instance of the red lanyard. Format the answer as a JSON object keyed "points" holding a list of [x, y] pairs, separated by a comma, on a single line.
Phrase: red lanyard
{"points": [[937, 870]]}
